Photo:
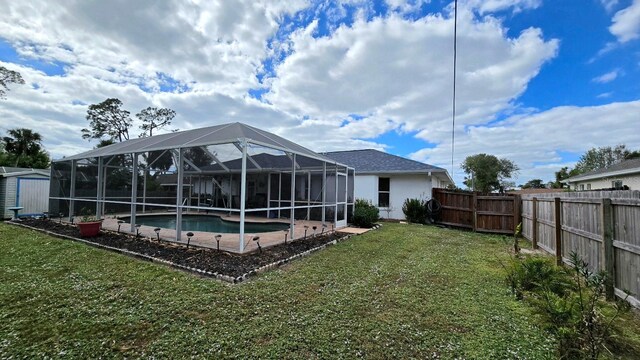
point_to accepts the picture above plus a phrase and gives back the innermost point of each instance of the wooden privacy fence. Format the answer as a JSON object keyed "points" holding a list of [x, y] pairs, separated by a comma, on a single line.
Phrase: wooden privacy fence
{"points": [[483, 213], [603, 227]]}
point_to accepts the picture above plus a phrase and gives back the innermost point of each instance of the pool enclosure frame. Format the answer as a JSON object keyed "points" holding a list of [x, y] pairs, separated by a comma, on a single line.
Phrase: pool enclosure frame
{"points": [[117, 178]]}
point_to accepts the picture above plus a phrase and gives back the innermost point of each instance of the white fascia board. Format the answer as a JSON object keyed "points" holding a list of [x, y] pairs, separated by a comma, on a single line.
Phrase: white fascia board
{"points": [[602, 175]]}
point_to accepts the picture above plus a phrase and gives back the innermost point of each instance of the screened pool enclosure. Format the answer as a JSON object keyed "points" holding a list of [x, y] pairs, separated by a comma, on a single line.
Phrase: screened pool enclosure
{"points": [[233, 172]]}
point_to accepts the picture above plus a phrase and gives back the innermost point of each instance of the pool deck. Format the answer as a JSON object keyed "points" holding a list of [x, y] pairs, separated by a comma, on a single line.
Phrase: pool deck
{"points": [[229, 241]]}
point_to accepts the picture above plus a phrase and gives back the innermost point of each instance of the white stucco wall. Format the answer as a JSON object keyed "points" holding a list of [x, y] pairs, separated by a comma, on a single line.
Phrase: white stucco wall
{"points": [[366, 187], [632, 181], [402, 187]]}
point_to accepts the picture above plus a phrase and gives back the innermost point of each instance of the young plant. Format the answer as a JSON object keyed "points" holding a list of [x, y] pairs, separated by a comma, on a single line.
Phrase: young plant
{"points": [[570, 302], [86, 215], [532, 273], [516, 236]]}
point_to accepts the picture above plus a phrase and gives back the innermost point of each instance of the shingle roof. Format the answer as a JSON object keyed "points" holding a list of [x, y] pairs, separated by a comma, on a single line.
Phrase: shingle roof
{"points": [[375, 161], [627, 166], [266, 161]]}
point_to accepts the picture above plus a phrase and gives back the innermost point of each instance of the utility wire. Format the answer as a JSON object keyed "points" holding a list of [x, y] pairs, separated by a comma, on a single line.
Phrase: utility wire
{"points": [[455, 55]]}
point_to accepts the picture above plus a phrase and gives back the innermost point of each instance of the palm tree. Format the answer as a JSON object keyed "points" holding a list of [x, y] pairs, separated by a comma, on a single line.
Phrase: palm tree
{"points": [[25, 146]]}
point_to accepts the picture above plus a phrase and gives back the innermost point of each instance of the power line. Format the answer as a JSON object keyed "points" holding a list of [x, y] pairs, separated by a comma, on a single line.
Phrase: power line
{"points": [[455, 55]]}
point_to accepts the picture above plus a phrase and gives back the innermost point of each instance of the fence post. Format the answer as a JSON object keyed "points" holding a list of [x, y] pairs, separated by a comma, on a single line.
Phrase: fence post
{"points": [[608, 259], [558, 229], [534, 223], [474, 209], [517, 214]]}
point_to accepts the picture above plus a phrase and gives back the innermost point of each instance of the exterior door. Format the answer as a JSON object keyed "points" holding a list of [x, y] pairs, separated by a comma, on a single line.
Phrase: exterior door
{"points": [[33, 195]]}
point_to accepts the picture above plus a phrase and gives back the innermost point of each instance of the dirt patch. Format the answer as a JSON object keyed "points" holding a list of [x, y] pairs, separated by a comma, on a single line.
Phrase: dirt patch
{"points": [[208, 260]]}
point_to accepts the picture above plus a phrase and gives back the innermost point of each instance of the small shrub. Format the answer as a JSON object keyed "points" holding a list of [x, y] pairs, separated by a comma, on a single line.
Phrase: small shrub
{"points": [[570, 303], [532, 273], [415, 211], [365, 214]]}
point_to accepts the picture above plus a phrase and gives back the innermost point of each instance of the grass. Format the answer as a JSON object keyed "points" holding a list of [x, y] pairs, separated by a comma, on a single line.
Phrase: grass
{"points": [[404, 291]]}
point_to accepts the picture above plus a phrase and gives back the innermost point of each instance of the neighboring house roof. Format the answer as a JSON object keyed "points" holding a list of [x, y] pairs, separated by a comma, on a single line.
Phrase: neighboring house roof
{"points": [[266, 161], [371, 161], [627, 167], [534, 191], [218, 134], [171, 179], [6, 171]]}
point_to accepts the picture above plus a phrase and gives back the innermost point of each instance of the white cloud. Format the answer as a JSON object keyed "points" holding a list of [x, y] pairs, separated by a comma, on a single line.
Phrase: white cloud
{"points": [[609, 4], [405, 6], [489, 6], [400, 71], [626, 23], [217, 44], [535, 141], [608, 77], [604, 95], [113, 49]]}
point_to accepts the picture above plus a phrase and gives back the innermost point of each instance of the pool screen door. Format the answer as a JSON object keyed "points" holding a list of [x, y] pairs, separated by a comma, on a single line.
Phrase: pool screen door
{"points": [[341, 194]]}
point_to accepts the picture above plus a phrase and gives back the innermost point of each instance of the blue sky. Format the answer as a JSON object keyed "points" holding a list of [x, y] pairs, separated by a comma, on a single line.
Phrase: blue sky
{"points": [[539, 82]]}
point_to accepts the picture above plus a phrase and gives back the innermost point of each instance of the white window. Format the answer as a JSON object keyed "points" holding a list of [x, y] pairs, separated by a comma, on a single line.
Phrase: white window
{"points": [[581, 186], [383, 191], [588, 186]]}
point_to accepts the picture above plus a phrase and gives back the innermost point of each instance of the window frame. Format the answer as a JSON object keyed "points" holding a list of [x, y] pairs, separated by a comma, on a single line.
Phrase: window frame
{"points": [[387, 192]]}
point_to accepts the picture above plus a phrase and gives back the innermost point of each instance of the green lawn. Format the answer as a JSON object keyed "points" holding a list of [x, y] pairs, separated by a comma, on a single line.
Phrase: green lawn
{"points": [[399, 292]]}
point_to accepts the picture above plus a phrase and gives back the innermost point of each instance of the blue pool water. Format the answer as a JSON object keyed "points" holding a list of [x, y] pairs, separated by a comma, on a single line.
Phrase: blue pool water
{"points": [[206, 223]]}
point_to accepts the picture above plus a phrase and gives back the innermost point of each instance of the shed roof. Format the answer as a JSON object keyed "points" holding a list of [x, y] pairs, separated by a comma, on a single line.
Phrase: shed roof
{"points": [[6, 171], [217, 134], [622, 168]]}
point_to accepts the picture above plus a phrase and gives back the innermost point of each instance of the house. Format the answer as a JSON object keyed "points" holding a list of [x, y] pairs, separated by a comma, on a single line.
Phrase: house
{"points": [[624, 175], [26, 188], [388, 180]]}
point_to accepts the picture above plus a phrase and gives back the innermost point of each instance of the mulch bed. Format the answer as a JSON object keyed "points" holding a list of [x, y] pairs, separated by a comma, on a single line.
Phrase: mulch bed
{"points": [[206, 261]]}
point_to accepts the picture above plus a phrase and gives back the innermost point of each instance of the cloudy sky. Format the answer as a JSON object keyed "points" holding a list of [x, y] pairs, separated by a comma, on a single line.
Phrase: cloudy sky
{"points": [[539, 81]]}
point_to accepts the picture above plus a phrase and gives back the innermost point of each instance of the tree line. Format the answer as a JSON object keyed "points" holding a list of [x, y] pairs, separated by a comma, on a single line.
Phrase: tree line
{"points": [[487, 173], [594, 159]]}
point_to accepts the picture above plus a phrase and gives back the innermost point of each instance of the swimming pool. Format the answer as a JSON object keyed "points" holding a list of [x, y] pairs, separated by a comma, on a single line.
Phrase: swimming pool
{"points": [[206, 223]]}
